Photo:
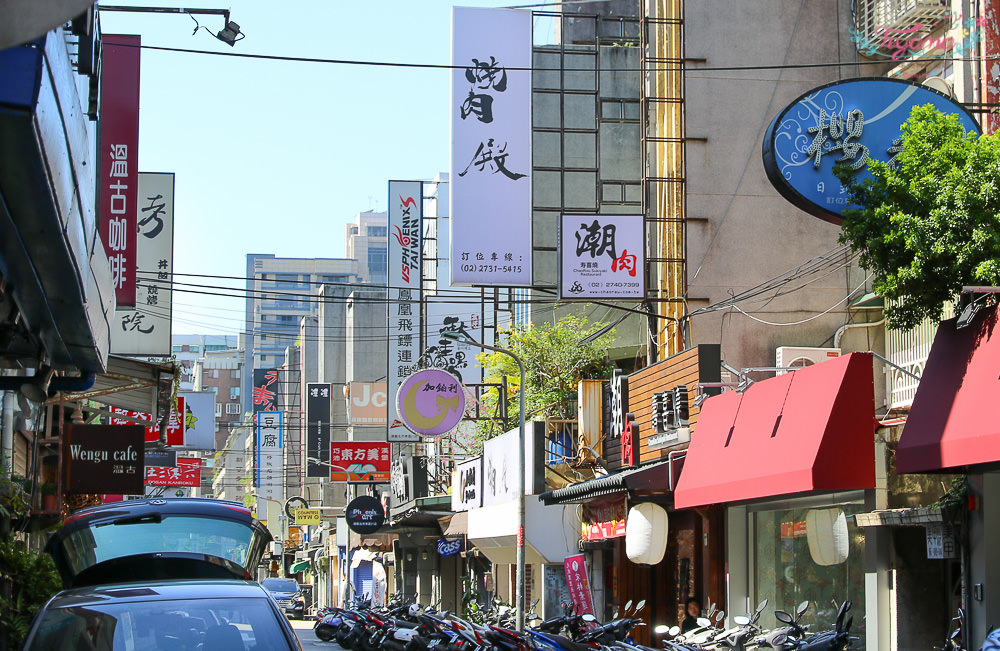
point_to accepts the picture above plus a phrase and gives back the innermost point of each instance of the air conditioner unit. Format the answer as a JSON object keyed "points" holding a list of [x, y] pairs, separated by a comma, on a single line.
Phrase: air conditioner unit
{"points": [[796, 357]]}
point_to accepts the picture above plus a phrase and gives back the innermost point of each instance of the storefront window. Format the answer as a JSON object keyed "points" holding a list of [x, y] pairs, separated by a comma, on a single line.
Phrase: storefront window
{"points": [[786, 572]]}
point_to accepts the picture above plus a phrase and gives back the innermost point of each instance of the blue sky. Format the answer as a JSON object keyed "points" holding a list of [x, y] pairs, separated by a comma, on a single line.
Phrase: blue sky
{"points": [[275, 157]]}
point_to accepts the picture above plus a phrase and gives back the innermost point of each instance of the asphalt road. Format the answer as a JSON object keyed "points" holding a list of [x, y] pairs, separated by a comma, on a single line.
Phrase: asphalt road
{"points": [[304, 631]]}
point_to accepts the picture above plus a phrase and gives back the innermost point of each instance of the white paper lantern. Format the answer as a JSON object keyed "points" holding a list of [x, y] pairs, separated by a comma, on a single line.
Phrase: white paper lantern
{"points": [[826, 533], [646, 533]]}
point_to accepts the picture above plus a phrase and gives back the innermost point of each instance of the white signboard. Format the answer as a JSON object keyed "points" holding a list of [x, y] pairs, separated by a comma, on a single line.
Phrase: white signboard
{"points": [[449, 314], [145, 330], [491, 147], [270, 469], [467, 485], [500, 459], [199, 419], [403, 311], [603, 256]]}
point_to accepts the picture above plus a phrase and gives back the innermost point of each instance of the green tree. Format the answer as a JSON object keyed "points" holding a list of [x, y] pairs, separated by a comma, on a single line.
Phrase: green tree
{"points": [[931, 223], [554, 361]]}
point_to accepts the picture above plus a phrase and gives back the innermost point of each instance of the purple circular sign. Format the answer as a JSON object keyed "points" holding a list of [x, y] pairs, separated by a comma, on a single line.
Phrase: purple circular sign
{"points": [[431, 402]]}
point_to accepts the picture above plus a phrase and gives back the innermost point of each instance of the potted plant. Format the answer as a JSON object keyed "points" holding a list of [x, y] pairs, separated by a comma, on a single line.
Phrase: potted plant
{"points": [[50, 501]]}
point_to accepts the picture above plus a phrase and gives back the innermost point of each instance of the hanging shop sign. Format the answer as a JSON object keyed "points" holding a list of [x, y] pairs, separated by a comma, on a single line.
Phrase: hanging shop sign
{"points": [[104, 459], [431, 402], [265, 389], [409, 479], [363, 462], [270, 476], [847, 123], [199, 419], [603, 256], [186, 472], [449, 547], [307, 516], [491, 147], [317, 429], [467, 485], [364, 514], [578, 583], [368, 403], [604, 519], [463, 317]]}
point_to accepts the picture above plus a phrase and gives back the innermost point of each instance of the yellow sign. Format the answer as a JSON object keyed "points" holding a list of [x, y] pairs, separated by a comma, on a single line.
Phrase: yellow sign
{"points": [[307, 516]]}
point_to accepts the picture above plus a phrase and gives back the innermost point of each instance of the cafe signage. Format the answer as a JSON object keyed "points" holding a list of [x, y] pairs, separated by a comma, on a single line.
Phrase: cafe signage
{"points": [[104, 459]]}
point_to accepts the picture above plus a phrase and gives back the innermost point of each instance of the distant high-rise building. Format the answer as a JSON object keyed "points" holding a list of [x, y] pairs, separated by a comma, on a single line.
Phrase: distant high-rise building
{"points": [[365, 240]]}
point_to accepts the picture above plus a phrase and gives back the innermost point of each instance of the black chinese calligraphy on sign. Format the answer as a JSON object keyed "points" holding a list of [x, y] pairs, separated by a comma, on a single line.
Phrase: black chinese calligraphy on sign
{"points": [[602, 256]]}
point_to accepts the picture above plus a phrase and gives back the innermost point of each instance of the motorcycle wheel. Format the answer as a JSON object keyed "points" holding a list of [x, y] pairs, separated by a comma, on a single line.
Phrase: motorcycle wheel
{"points": [[324, 633]]}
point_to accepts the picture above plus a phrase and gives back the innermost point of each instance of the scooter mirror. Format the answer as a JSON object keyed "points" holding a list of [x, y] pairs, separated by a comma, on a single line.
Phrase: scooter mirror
{"points": [[662, 629], [640, 606], [588, 618], [628, 605], [783, 617], [761, 606], [674, 630], [615, 614], [741, 620], [721, 615], [803, 607], [704, 621]]}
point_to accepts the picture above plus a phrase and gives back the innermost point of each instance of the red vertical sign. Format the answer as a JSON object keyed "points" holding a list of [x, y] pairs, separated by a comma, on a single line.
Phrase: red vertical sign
{"points": [[578, 583], [990, 25], [118, 160]]}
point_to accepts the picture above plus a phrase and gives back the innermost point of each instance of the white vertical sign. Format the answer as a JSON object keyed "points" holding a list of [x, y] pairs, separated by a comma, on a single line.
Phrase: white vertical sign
{"points": [[406, 206], [145, 330], [462, 316], [491, 147], [270, 466]]}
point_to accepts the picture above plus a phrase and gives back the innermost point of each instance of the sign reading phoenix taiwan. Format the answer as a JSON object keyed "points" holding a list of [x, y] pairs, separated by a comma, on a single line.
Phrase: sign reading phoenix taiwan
{"points": [[118, 160], [491, 147], [431, 402], [603, 256], [843, 123], [403, 310]]}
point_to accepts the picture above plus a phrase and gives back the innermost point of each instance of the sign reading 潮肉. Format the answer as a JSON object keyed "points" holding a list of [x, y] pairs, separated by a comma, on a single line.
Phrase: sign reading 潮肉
{"points": [[603, 256]]}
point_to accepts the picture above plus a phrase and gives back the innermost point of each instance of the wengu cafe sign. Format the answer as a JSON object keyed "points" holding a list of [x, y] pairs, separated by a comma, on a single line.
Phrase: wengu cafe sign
{"points": [[104, 459]]}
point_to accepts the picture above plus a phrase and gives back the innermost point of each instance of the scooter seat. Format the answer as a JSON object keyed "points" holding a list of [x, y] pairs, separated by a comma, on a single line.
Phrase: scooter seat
{"points": [[402, 623]]}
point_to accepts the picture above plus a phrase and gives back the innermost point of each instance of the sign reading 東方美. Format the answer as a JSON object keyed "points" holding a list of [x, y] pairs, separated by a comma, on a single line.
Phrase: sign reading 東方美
{"points": [[843, 123], [603, 256]]}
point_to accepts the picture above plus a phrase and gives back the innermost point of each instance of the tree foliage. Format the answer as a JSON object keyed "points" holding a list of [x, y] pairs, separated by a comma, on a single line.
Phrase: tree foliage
{"points": [[931, 223], [555, 357]]}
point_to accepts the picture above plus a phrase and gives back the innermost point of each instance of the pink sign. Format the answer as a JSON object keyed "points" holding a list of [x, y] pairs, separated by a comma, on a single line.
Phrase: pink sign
{"points": [[579, 585], [431, 402], [187, 472]]}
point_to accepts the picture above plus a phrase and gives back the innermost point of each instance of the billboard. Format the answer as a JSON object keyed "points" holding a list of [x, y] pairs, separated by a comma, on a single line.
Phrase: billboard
{"points": [[199, 419], [265, 389], [490, 147], [317, 429], [602, 256], [406, 206], [186, 472], [466, 319], [368, 405], [358, 462], [118, 160], [146, 329]]}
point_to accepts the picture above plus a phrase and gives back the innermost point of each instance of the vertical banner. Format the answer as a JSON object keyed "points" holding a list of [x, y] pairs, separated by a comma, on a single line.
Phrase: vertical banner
{"points": [[265, 389], [118, 160], [491, 147], [145, 330], [270, 469], [578, 583], [466, 319], [602, 256], [406, 208], [317, 429], [990, 26]]}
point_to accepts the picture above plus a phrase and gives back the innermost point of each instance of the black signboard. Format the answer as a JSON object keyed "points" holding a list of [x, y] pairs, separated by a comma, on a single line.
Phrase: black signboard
{"points": [[161, 458], [104, 459], [318, 429], [365, 514], [265, 389]]}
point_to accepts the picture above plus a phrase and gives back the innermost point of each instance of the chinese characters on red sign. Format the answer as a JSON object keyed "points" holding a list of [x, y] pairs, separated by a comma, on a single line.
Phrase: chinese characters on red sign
{"points": [[360, 462], [578, 584], [187, 472]]}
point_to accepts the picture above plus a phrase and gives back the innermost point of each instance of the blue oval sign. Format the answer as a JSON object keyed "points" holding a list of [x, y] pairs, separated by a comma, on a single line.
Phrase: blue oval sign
{"points": [[846, 122]]}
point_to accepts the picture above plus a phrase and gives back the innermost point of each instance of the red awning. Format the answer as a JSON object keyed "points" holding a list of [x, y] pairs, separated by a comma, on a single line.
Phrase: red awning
{"points": [[807, 430], [950, 424]]}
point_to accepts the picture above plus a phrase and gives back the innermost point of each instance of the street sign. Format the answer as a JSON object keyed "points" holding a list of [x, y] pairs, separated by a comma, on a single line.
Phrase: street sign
{"points": [[306, 516]]}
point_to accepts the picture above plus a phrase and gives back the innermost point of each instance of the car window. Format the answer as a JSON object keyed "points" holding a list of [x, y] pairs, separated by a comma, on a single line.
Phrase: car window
{"points": [[225, 539], [178, 625], [280, 585]]}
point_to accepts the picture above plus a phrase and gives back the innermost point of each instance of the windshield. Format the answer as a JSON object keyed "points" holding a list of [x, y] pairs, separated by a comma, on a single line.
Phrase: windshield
{"points": [[179, 533], [280, 585], [179, 625]]}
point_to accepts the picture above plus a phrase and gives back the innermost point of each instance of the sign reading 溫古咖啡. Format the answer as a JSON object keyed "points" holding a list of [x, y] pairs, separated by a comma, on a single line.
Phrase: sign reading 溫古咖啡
{"points": [[104, 459], [846, 123]]}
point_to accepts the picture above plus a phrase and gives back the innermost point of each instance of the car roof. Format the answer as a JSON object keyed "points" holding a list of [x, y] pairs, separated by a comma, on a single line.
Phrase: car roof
{"points": [[157, 591]]}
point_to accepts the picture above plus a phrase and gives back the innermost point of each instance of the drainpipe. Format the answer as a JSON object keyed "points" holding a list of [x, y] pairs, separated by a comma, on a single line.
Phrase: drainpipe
{"points": [[7, 440], [847, 326]]}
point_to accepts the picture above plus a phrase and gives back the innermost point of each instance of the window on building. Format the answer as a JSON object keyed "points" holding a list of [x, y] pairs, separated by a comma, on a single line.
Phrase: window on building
{"points": [[234, 393], [378, 231], [232, 407], [234, 374], [214, 390], [177, 348], [218, 409], [194, 348], [378, 261]]}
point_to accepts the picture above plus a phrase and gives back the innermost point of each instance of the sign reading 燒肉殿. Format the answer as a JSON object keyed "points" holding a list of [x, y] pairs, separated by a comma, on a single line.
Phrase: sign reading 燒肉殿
{"points": [[431, 402], [847, 123]]}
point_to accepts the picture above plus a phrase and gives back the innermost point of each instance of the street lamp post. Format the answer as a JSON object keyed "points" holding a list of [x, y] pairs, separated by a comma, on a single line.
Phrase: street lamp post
{"points": [[519, 598]]}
